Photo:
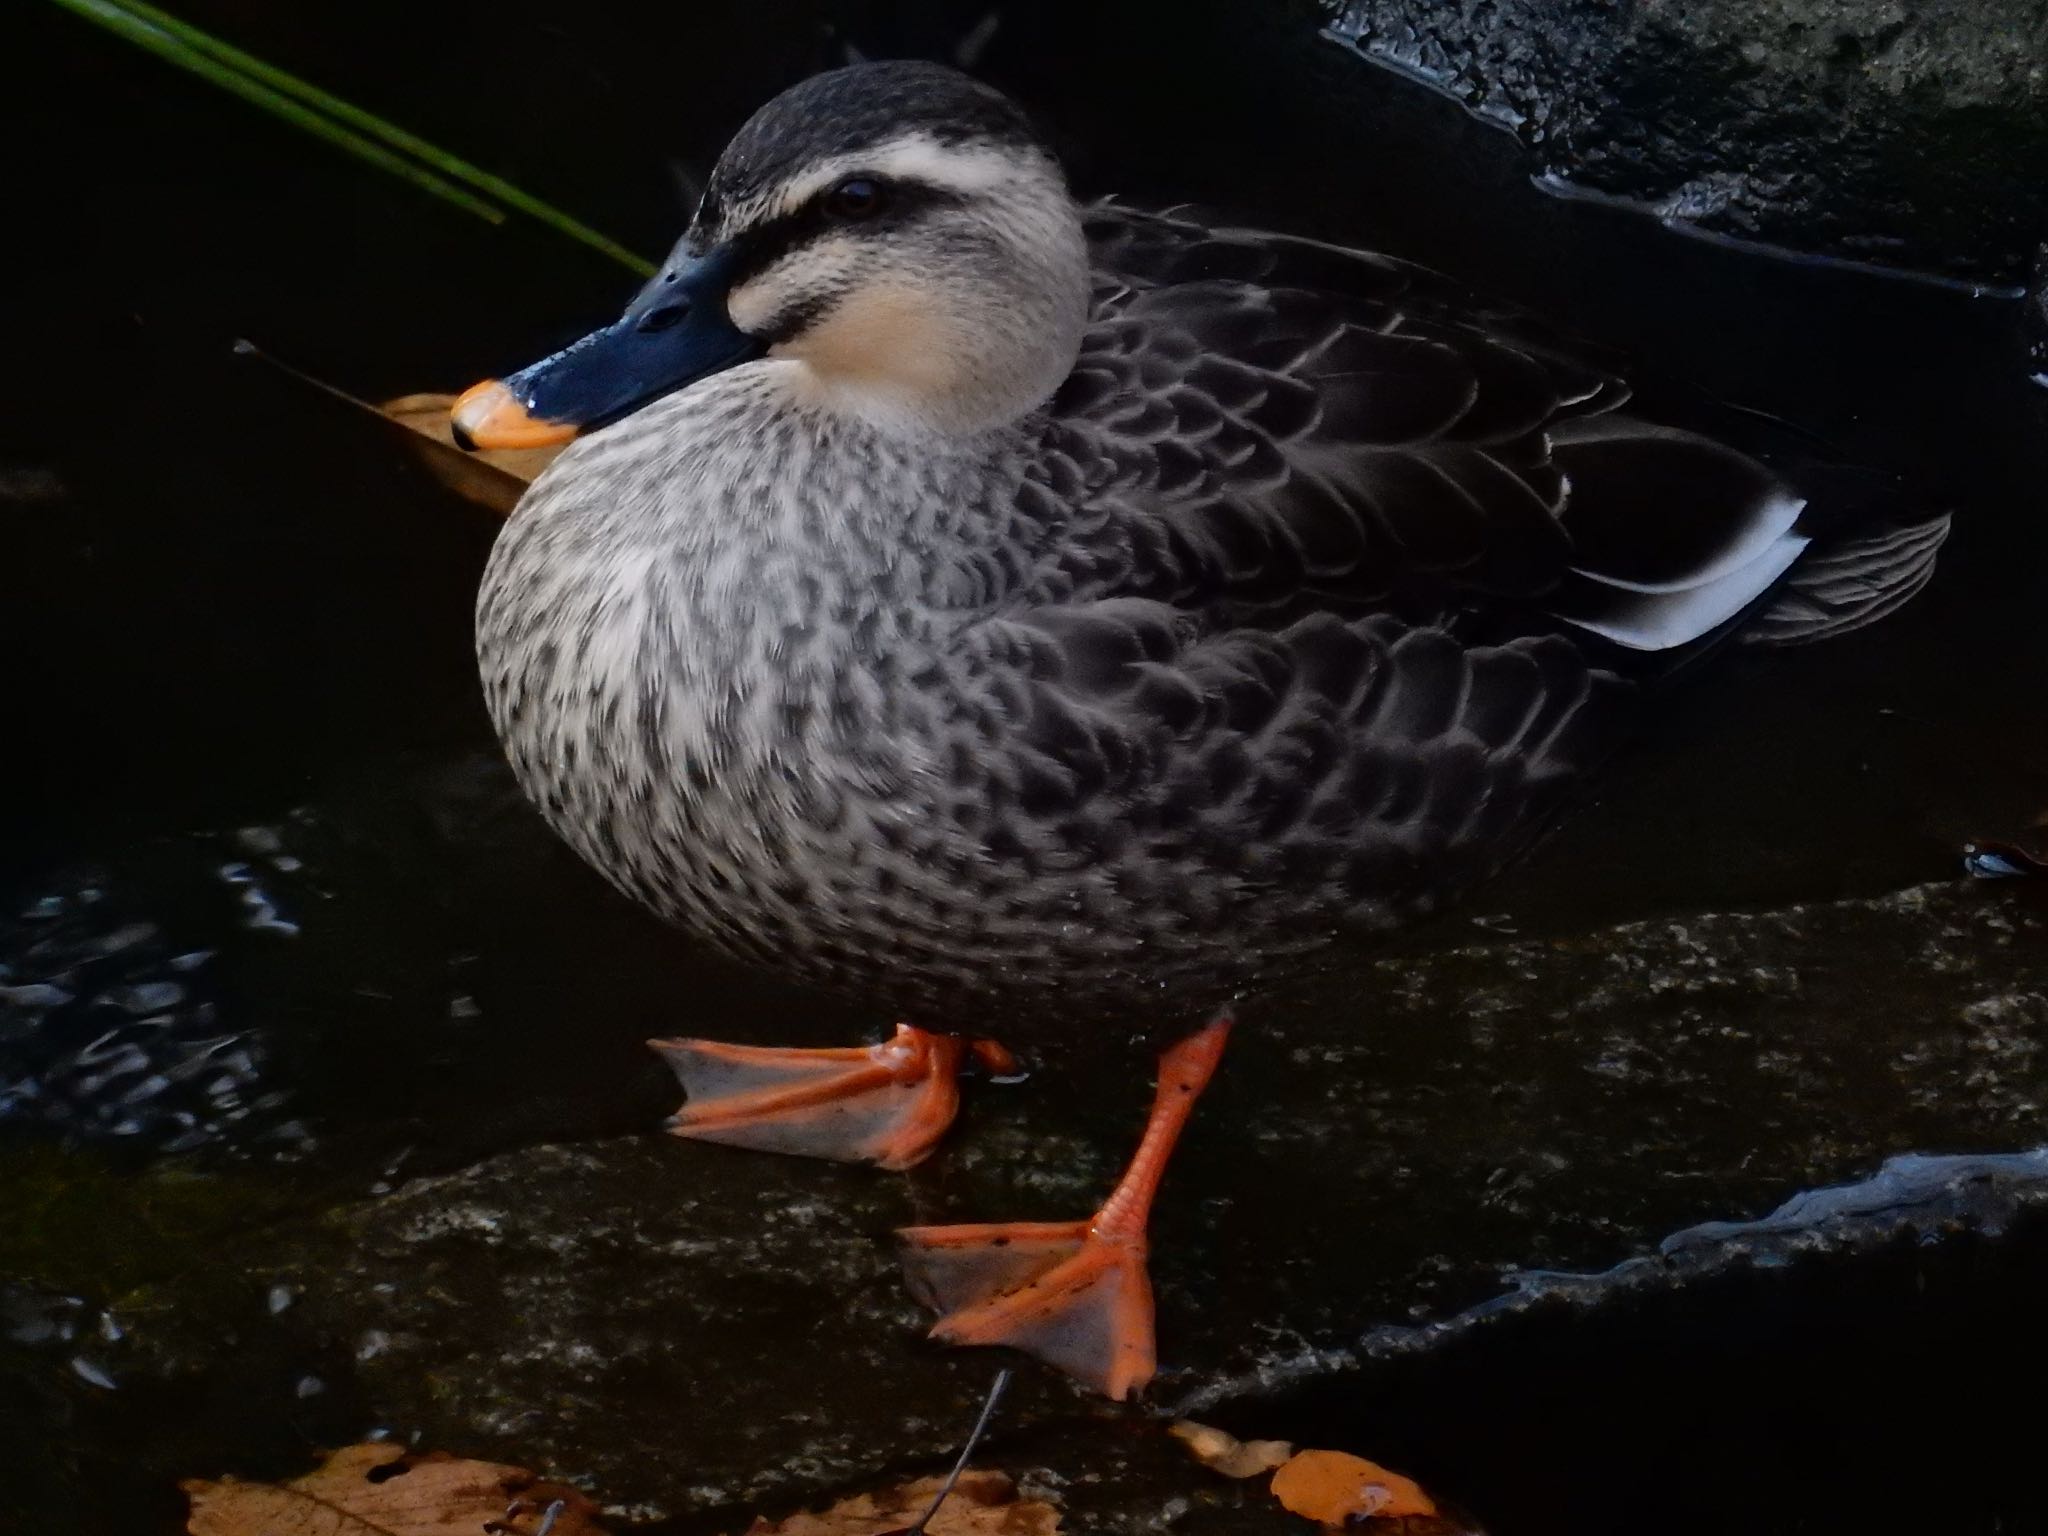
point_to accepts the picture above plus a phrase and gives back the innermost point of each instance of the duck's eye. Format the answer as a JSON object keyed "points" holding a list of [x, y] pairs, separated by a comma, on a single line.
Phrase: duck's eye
{"points": [[855, 198]]}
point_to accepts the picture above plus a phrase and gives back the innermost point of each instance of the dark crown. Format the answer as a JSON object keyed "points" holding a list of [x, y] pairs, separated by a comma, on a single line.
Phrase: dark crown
{"points": [[846, 110]]}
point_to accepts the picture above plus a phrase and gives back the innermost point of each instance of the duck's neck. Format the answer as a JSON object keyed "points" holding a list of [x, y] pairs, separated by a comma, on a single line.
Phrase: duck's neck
{"points": [[744, 492]]}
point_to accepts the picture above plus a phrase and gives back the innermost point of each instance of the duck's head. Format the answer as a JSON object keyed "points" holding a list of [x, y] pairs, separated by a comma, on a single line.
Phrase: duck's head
{"points": [[894, 236]]}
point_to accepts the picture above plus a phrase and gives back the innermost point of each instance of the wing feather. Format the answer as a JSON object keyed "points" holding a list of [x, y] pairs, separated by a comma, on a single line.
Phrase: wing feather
{"points": [[1345, 576]]}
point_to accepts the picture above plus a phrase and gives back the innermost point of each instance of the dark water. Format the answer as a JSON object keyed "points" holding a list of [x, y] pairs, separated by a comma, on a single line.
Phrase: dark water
{"points": [[266, 898]]}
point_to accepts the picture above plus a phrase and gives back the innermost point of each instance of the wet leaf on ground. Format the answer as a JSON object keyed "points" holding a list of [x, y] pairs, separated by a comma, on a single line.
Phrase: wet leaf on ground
{"points": [[383, 1490], [1333, 1488], [1336, 1489], [1221, 1451], [981, 1504]]}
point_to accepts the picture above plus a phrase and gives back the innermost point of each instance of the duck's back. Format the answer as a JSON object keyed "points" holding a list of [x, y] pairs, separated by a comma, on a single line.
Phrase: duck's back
{"points": [[1267, 425], [1339, 587]]}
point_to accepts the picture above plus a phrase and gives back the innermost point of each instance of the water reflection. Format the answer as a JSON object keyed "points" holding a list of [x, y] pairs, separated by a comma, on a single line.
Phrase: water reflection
{"points": [[112, 1030]]}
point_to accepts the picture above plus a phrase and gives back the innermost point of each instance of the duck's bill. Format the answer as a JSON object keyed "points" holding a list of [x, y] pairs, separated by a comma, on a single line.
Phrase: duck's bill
{"points": [[673, 334], [490, 415]]}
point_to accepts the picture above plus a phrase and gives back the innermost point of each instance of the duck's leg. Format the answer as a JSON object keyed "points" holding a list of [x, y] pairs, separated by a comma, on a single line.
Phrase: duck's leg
{"points": [[1075, 1294], [885, 1104]]}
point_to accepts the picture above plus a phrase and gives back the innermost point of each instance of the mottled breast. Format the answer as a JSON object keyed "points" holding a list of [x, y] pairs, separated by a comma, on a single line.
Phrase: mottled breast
{"points": [[734, 682]]}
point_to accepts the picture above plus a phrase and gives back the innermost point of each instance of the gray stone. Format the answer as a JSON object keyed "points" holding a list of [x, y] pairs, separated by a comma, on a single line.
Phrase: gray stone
{"points": [[688, 1327], [1911, 135]]}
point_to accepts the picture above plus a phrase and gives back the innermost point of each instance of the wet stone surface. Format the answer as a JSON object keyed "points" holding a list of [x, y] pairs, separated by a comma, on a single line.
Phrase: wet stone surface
{"points": [[693, 1329], [1861, 128]]}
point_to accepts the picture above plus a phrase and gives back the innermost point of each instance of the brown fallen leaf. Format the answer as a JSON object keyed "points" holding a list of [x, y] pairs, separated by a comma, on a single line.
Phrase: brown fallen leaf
{"points": [[493, 480], [982, 1504], [493, 477], [1336, 1489], [383, 1490], [1222, 1452]]}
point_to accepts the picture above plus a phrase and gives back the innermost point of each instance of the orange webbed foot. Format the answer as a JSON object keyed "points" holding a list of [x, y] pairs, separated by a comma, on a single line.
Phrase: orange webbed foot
{"points": [[1064, 1292], [1074, 1294], [886, 1104]]}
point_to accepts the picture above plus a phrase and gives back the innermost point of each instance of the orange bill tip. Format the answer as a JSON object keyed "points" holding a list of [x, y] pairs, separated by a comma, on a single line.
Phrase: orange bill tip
{"points": [[488, 415]]}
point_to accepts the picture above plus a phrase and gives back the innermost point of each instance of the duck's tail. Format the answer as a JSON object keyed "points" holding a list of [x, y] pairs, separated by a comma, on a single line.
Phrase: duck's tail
{"points": [[1759, 532], [1873, 547]]}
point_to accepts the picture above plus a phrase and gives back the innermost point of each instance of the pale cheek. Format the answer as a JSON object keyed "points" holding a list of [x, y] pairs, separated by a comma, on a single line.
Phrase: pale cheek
{"points": [[888, 339]]}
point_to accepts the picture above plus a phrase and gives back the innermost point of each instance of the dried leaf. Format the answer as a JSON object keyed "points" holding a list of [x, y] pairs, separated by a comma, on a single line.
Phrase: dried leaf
{"points": [[494, 477], [494, 480], [382, 1490], [1222, 1452], [1336, 1489], [983, 1504]]}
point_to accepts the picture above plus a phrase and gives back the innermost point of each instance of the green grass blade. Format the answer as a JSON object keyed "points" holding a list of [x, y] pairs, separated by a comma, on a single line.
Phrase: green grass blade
{"points": [[305, 104], [170, 49], [369, 123]]}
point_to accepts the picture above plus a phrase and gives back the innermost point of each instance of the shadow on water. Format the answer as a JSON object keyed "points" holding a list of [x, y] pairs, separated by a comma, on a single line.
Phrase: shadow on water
{"points": [[1823, 1397], [257, 837]]}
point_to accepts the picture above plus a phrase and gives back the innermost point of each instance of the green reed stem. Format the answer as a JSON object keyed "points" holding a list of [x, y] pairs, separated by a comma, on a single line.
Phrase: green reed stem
{"points": [[363, 134]]}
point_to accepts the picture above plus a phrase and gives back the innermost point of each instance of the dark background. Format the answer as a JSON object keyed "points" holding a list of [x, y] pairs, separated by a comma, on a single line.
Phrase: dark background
{"points": [[224, 597]]}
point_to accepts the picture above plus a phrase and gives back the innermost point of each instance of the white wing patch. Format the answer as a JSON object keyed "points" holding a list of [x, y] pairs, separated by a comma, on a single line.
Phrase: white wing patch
{"points": [[1666, 618]]}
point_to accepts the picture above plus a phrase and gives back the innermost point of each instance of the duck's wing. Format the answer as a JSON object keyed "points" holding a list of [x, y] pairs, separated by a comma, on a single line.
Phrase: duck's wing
{"points": [[1265, 427], [1339, 589], [1369, 767]]}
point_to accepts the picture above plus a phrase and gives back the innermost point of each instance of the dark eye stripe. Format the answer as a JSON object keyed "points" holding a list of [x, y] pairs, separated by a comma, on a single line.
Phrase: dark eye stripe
{"points": [[907, 202]]}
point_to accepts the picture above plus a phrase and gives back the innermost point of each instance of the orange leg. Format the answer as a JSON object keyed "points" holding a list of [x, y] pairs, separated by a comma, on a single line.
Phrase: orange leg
{"points": [[885, 1104], [1075, 1294]]}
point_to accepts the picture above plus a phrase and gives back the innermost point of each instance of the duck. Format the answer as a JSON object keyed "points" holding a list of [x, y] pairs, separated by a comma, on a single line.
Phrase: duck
{"points": [[1048, 619]]}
